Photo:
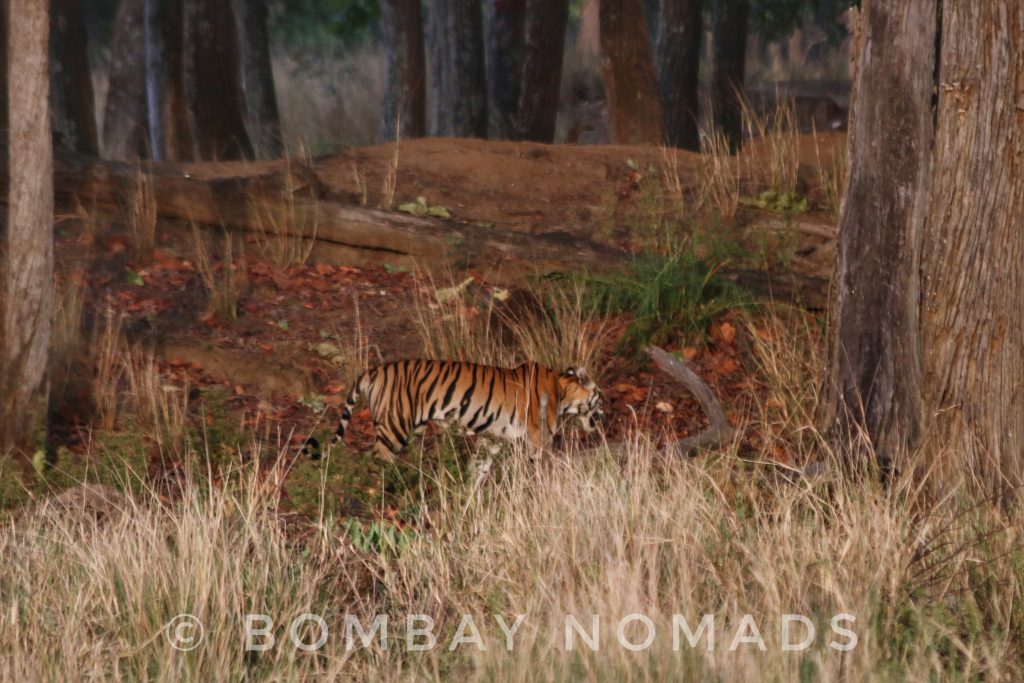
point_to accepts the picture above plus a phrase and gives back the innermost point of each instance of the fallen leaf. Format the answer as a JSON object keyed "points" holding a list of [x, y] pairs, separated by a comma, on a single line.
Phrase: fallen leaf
{"points": [[689, 353], [449, 293], [664, 407], [727, 332]]}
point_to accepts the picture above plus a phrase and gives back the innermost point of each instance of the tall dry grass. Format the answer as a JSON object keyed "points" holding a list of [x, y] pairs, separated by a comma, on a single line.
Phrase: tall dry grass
{"points": [[930, 586]]}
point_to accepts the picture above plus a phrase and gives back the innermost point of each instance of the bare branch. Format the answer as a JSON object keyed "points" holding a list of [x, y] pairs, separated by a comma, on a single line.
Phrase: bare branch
{"points": [[719, 431]]}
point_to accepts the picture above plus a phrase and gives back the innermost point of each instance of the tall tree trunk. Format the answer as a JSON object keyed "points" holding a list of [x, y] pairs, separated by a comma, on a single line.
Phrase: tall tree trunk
{"points": [[729, 50], [506, 33], [629, 82], [179, 144], [213, 81], [542, 70], [155, 78], [679, 71], [459, 103], [28, 276], [263, 120], [124, 117], [405, 100], [928, 318], [71, 98]]}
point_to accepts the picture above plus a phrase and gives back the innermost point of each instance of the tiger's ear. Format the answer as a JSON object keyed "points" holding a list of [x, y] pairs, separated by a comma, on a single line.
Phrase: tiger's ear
{"points": [[581, 374], [571, 372]]}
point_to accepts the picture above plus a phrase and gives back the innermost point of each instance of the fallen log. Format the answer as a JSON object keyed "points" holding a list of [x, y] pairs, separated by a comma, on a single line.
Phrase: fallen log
{"points": [[287, 199], [290, 203]]}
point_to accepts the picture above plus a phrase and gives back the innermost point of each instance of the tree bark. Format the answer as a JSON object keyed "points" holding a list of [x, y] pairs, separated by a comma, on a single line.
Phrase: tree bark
{"points": [[213, 81], [927, 319], [124, 117], [506, 34], [679, 41], [71, 97], [179, 143], [459, 94], [546, 21], [729, 50], [630, 85], [155, 78], [28, 276], [263, 120], [405, 99]]}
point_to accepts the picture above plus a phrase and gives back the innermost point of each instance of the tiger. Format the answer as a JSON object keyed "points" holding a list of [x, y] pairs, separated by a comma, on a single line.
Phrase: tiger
{"points": [[527, 402]]}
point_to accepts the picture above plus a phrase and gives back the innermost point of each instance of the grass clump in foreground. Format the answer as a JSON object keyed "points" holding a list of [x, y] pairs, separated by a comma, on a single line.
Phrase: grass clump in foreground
{"points": [[928, 585]]}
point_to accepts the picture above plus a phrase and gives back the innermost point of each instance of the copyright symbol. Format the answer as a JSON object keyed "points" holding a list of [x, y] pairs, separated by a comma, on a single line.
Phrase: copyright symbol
{"points": [[184, 632]]}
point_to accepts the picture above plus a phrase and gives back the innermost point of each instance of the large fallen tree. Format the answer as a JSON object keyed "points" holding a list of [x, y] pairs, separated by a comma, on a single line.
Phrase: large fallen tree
{"points": [[287, 199]]}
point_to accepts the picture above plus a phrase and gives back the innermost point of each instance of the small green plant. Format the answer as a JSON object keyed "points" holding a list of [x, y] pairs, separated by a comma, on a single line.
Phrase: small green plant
{"points": [[778, 202], [667, 295]]}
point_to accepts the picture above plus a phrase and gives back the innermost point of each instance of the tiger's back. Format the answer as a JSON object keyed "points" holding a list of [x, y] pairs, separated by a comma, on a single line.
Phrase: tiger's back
{"points": [[513, 403]]}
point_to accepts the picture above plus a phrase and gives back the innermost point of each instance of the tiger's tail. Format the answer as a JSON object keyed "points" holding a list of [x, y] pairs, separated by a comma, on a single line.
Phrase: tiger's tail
{"points": [[346, 413]]}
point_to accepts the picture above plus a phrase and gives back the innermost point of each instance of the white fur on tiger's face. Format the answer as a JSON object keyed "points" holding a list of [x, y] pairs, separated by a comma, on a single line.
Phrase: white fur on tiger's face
{"points": [[529, 401]]}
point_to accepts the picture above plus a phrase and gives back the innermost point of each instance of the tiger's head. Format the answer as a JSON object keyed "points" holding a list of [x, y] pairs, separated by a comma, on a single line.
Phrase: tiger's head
{"points": [[581, 397]]}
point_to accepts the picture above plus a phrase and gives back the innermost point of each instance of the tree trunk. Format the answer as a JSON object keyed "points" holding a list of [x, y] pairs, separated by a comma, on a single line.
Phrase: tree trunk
{"points": [[124, 117], [179, 143], [71, 99], [679, 71], [263, 120], [629, 82], [213, 81], [155, 78], [506, 33], [28, 277], [928, 314], [542, 70], [405, 99], [459, 103], [729, 49]]}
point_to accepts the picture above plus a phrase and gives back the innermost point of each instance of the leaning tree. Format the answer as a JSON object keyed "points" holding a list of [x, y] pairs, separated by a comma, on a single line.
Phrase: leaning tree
{"points": [[928, 318]]}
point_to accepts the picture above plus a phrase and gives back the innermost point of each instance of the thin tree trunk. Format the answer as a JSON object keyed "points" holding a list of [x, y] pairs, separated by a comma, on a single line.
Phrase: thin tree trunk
{"points": [[264, 122], [124, 117], [542, 69], [179, 143], [630, 85], [154, 44], [405, 100], [928, 314], [459, 91], [213, 81], [28, 276], [506, 33], [679, 71], [71, 97], [729, 49]]}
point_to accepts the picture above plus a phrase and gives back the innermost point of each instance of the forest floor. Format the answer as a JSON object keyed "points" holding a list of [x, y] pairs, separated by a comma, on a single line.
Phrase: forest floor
{"points": [[262, 341]]}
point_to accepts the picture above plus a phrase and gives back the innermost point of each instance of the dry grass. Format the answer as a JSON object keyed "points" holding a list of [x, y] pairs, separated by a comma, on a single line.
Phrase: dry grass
{"points": [[719, 179], [140, 213], [106, 349], [772, 153], [332, 100], [223, 281], [287, 223], [831, 173]]}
